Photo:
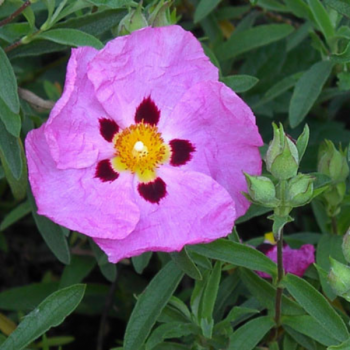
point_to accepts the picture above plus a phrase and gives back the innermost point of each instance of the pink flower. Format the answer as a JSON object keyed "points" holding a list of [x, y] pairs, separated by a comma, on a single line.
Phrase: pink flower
{"points": [[145, 149], [295, 261]]}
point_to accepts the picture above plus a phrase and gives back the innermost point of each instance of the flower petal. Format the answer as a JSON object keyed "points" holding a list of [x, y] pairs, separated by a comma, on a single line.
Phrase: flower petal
{"points": [[73, 129], [108, 128], [75, 198], [181, 152], [153, 191], [169, 225], [222, 129], [147, 112], [160, 63]]}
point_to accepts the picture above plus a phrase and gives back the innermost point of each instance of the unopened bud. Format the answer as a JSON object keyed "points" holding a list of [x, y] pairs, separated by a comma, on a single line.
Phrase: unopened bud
{"points": [[332, 162], [261, 191], [339, 279], [160, 16], [134, 20], [300, 190], [282, 159]]}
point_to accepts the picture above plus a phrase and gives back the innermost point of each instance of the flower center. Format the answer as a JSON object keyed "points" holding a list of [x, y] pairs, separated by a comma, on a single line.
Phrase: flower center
{"points": [[140, 149]]}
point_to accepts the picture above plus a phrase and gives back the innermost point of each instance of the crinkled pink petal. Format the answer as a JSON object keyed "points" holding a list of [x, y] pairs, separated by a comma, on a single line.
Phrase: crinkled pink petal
{"points": [[222, 129], [295, 261], [196, 209], [76, 199], [72, 131], [159, 62]]}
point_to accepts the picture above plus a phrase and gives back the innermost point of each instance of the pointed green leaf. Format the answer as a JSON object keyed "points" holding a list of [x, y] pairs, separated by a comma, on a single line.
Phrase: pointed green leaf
{"points": [[150, 304], [322, 18], [303, 141], [248, 336], [307, 90], [109, 270], [16, 214], [8, 86], [185, 263], [240, 83], [203, 9], [343, 346], [140, 262], [71, 37], [343, 57], [237, 254], [50, 313], [12, 121], [317, 306], [342, 6]]}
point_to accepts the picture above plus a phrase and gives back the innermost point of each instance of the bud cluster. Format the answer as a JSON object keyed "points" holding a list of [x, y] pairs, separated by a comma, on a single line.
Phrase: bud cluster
{"points": [[155, 15]]}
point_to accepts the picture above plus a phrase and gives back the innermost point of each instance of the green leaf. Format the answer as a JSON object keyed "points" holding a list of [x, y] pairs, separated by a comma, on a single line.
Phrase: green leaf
{"points": [[240, 83], [185, 263], [26, 298], [203, 9], [343, 57], [113, 4], [51, 233], [317, 306], [71, 37], [303, 141], [248, 336], [77, 270], [236, 254], [253, 38], [253, 211], [10, 152], [343, 346], [320, 215], [265, 293], [150, 304], [50, 313], [140, 262], [301, 339], [307, 90], [12, 121], [342, 6], [168, 331], [8, 86], [109, 270], [289, 343], [13, 31], [16, 214], [322, 18], [308, 326], [299, 9]]}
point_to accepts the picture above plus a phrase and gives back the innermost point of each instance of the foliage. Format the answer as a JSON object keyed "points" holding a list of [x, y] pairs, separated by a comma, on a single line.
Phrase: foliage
{"points": [[289, 61]]}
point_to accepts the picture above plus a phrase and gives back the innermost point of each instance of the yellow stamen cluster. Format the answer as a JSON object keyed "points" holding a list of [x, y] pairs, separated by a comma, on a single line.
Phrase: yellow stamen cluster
{"points": [[140, 149]]}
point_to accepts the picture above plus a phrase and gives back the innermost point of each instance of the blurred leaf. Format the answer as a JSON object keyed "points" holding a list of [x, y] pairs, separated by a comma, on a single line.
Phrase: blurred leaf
{"points": [[50, 313], [16, 214], [12, 121], [253, 38], [168, 331], [299, 9], [71, 37], [30, 16], [343, 346], [248, 336], [272, 5], [289, 343], [140, 262], [51, 233], [185, 263], [236, 254], [240, 83], [77, 270], [56, 341], [113, 4], [301, 339], [342, 6], [343, 57], [320, 215], [109, 270], [231, 12], [305, 324], [26, 298], [13, 31], [253, 211], [8, 86], [307, 90], [317, 306], [203, 9], [7, 326], [322, 18], [150, 304]]}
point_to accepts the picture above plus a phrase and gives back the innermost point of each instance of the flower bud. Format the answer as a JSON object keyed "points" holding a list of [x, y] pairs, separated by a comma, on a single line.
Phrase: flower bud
{"points": [[335, 194], [339, 279], [332, 162], [134, 20], [261, 191], [282, 159], [300, 190], [346, 246], [160, 16]]}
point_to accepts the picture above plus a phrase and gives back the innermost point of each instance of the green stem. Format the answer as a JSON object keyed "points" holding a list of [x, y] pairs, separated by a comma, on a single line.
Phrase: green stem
{"points": [[15, 14], [280, 274]]}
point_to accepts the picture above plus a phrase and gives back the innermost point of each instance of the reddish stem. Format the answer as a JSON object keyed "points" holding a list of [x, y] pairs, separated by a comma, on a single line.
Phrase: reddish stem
{"points": [[15, 14]]}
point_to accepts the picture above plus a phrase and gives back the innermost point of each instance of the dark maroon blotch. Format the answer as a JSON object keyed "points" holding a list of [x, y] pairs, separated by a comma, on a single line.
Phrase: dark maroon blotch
{"points": [[105, 172], [153, 191], [108, 128], [180, 152], [147, 112], [265, 247]]}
